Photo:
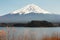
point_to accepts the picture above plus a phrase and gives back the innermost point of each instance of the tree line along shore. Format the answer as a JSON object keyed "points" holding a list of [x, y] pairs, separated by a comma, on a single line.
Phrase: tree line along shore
{"points": [[31, 24]]}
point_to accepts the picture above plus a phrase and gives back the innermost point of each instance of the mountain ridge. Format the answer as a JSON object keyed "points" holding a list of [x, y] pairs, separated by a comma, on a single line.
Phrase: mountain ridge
{"points": [[16, 18]]}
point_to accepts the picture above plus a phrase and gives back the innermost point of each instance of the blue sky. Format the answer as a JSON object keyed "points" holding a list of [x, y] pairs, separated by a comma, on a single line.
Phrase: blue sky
{"points": [[7, 6]]}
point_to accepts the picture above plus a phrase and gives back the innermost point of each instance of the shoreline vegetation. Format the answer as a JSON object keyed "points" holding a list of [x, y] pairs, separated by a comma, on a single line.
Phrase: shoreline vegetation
{"points": [[31, 24], [32, 36]]}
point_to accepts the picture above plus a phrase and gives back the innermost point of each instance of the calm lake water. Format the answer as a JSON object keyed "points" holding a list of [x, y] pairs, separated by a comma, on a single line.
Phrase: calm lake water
{"points": [[40, 30], [36, 32]]}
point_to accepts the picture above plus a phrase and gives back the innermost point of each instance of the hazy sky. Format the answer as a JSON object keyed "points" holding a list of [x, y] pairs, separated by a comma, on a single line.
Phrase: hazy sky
{"points": [[7, 6]]}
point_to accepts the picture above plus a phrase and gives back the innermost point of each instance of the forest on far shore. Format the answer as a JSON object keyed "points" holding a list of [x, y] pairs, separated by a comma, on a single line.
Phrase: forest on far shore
{"points": [[31, 24]]}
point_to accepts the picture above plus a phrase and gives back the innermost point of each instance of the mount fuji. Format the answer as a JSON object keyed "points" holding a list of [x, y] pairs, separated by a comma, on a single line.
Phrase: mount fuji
{"points": [[29, 13]]}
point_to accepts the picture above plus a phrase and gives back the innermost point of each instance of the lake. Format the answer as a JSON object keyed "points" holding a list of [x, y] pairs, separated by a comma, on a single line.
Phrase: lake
{"points": [[38, 32]]}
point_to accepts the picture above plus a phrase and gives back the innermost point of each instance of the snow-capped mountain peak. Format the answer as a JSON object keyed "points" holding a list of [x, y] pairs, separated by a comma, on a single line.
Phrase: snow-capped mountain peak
{"points": [[30, 8]]}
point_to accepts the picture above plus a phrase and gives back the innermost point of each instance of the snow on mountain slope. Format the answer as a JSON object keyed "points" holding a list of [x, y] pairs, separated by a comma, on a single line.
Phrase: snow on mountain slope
{"points": [[30, 8]]}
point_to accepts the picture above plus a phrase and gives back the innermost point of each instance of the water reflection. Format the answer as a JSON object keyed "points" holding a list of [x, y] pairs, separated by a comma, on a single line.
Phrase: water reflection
{"points": [[21, 33]]}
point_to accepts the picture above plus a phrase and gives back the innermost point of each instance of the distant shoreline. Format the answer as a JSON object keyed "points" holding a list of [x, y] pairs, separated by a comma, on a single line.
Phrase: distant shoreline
{"points": [[31, 24]]}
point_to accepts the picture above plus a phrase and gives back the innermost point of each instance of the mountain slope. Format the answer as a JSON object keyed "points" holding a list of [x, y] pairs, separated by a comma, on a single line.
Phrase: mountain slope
{"points": [[16, 18]]}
